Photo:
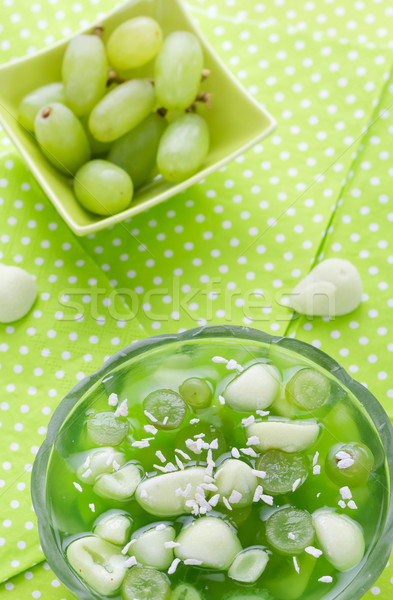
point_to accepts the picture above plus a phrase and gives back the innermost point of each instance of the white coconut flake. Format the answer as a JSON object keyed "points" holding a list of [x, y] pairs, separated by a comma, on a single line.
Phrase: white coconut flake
{"points": [[259, 474], [210, 487], [263, 413], [87, 473], [226, 502], [193, 561], [345, 463], [179, 463], [291, 536], [171, 544], [86, 464], [295, 564], [313, 551], [160, 456], [248, 421], [122, 409], [232, 364], [198, 436], [249, 452], [258, 494], [77, 486], [296, 484], [341, 455], [316, 469], [150, 429], [92, 507], [315, 459], [116, 465], [221, 399], [235, 497], [130, 562], [127, 546], [352, 505], [319, 493], [169, 468], [214, 500], [194, 421], [141, 444], [267, 499], [173, 566], [183, 454], [150, 416], [342, 504], [113, 399], [326, 579], [194, 445], [214, 444], [165, 421], [253, 440], [346, 493], [235, 453], [219, 359]]}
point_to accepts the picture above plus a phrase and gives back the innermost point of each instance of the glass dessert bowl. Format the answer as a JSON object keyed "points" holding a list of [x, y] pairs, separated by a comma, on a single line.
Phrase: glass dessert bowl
{"points": [[219, 463]]}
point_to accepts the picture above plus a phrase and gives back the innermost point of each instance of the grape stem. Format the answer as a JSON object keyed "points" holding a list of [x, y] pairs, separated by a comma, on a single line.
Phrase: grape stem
{"points": [[203, 98], [46, 112], [98, 30], [162, 111], [205, 74], [113, 77]]}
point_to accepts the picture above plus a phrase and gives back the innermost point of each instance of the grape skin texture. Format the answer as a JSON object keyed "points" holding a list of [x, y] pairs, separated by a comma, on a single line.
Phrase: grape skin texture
{"points": [[136, 151], [134, 43], [84, 73], [183, 147], [122, 109], [62, 138], [31, 104], [178, 70], [103, 188]]}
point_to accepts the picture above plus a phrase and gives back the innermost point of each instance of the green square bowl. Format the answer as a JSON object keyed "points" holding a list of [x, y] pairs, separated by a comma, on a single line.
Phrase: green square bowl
{"points": [[236, 120]]}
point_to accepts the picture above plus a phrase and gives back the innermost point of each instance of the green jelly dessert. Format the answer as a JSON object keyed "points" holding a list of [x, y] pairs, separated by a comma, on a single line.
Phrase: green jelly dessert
{"points": [[209, 467]]}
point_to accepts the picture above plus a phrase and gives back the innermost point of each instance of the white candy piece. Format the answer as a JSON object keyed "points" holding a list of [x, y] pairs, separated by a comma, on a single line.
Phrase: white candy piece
{"points": [[149, 548], [209, 540], [249, 565], [120, 485], [333, 288], [97, 462], [99, 563], [341, 539], [18, 292], [255, 388], [157, 495], [114, 528], [289, 436], [236, 476]]}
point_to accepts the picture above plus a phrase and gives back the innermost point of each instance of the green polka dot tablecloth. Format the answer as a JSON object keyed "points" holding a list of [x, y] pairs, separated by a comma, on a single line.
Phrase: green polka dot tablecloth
{"points": [[226, 250]]}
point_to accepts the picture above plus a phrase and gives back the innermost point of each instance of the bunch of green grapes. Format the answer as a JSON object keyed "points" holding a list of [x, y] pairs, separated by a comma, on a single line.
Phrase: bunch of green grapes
{"points": [[111, 130]]}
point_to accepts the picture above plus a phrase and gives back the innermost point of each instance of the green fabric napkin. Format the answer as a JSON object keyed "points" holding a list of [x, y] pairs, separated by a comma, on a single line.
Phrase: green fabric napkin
{"points": [[225, 250]]}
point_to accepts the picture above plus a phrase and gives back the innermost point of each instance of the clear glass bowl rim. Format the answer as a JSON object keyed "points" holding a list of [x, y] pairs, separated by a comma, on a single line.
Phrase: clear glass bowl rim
{"points": [[379, 555]]}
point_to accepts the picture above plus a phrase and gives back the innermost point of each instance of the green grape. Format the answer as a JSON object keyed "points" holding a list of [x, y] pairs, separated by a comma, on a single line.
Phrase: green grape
{"points": [[349, 463], [290, 530], [185, 592], [61, 137], [167, 408], [134, 43], [103, 188], [308, 389], [178, 70], [136, 151], [84, 73], [97, 148], [122, 109], [31, 104], [183, 148], [282, 471], [145, 583], [196, 392], [105, 429]]}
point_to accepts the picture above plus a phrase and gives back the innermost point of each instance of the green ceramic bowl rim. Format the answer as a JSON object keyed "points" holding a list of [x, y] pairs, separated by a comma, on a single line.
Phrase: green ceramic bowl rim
{"points": [[378, 556]]}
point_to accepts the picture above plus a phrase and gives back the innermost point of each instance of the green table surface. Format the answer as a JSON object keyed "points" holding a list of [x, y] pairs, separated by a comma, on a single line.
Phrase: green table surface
{"points": [[224, 251]]}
